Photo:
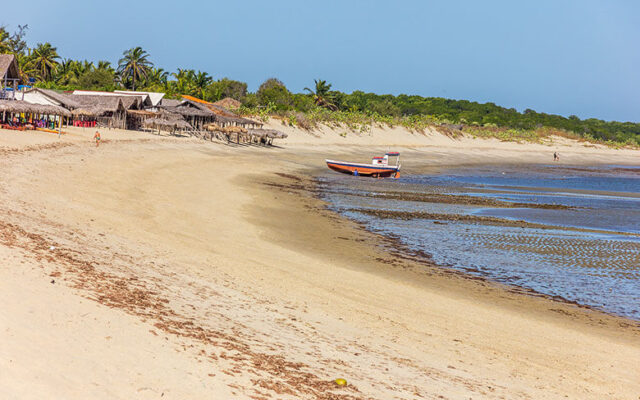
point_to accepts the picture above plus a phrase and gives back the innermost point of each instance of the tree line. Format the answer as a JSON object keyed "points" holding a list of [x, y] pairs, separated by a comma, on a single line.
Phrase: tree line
{"points": [[43, 66]]}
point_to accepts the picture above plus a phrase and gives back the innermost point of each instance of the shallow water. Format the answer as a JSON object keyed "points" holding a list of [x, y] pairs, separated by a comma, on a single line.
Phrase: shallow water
{"points": [[589, 253]]}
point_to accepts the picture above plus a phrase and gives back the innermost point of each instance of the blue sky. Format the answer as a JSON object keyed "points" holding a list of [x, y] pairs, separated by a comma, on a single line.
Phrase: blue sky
{"points": [[563, 57]]}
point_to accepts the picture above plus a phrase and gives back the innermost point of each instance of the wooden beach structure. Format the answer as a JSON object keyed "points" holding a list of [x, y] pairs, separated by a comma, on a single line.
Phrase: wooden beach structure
{"points": [[20, 115], [105, 111], [9, 77], [151, 111], [167, 124], [49, 97]]}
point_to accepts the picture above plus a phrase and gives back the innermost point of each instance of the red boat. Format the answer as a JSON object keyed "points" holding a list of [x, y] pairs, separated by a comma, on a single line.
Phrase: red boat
{"points": [[379, 167]]}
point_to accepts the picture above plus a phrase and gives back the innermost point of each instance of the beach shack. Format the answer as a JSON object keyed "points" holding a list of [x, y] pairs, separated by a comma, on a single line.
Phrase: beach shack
{"points": [[223, 117], [49, 97], [9, 76], [194, 113], [103, 111], [20, 115], [150, 100]]}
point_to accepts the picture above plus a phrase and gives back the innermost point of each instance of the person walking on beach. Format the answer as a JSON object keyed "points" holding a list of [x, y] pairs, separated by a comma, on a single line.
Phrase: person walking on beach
{"points": [[96, 137], [556, 157]]}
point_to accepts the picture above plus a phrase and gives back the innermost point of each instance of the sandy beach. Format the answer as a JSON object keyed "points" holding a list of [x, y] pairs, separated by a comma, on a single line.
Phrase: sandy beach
{"points": [[170, 267]]}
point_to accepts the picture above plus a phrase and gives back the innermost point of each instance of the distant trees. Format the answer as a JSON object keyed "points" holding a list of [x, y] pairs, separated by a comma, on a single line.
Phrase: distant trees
{"points": [[274, 93], [226, 87], [134, 64], [96, 79], [13, 43], [44, 60], [5, 37], [156, 80], [201, 81], [136, 71], [322, 94]]}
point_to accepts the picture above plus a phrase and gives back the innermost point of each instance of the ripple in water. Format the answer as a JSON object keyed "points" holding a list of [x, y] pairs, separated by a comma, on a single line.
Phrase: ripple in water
{"points": [[600, 269]]}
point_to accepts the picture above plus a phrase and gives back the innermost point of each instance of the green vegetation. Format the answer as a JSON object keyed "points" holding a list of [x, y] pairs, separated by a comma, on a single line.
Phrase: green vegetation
{"points": [[133, 65], [322, 96], [357, 110]]}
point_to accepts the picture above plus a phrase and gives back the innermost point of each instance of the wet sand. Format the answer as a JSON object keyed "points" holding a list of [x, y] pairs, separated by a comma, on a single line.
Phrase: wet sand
{"points": [[167, 267]]}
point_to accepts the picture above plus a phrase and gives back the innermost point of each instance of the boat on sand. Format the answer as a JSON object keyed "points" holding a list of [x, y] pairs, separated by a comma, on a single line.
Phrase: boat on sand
{"points": [[379, 167]]}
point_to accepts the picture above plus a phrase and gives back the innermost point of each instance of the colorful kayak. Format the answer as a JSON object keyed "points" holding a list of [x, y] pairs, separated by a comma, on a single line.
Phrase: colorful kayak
{"points": [[379, 167], [49, 130]]}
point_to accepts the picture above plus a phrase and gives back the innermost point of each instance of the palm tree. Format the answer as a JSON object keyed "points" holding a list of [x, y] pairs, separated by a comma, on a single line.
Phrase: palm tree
{"points": [[134, 64], [84, 67], [105, 66], [322, 95], [185, 80], [25, 66], [66, 72], [201, 80], [44, 59], [157, 76], [5, 41]]}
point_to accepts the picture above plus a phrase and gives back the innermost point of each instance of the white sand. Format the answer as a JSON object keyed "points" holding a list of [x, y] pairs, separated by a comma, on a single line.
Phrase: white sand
{"points": [[180, 274]]}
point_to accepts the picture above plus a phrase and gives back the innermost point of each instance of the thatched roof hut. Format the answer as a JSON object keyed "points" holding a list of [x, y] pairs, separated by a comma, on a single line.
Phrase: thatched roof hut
{"points": [[270, 133], [189, 111], [222, 115], [89, 111], [18, 106], [236, 120], [213, 127], [48, 96], [226, 129], [143, 113], [234, 129], [150, 99], [141, 98], [166, 124], [170, 103], [9, 68], [108, 103]]}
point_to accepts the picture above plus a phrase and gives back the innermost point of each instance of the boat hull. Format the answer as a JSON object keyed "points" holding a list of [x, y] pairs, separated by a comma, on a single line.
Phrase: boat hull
{"points": [[377, 171]]}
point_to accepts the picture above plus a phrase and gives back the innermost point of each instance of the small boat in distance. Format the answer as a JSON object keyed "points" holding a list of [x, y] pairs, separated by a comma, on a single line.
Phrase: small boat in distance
{"points": [[379, 167]]}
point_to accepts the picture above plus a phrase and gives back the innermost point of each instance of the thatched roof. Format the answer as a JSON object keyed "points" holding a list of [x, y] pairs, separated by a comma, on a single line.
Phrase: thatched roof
{"points": [[90, 111], [234, 129], [66, 100], [105, 103], [131, 102], [142, 113], [170, 103], [140, 98], [18, 106], [270, 133], [154, 98], [222, 115], [190, 111], [206, 106], [9, 67], [191, 106], [225, 129], [228, 103], [160, 123], [236, 120]]}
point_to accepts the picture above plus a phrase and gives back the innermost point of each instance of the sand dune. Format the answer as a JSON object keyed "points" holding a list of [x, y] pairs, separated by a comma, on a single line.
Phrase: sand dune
{"points": [[161, 267]]}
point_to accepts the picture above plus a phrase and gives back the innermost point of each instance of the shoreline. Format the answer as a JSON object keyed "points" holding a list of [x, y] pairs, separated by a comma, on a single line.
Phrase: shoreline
{"points": [[393, 246], [411, 193], [178, 270]]}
